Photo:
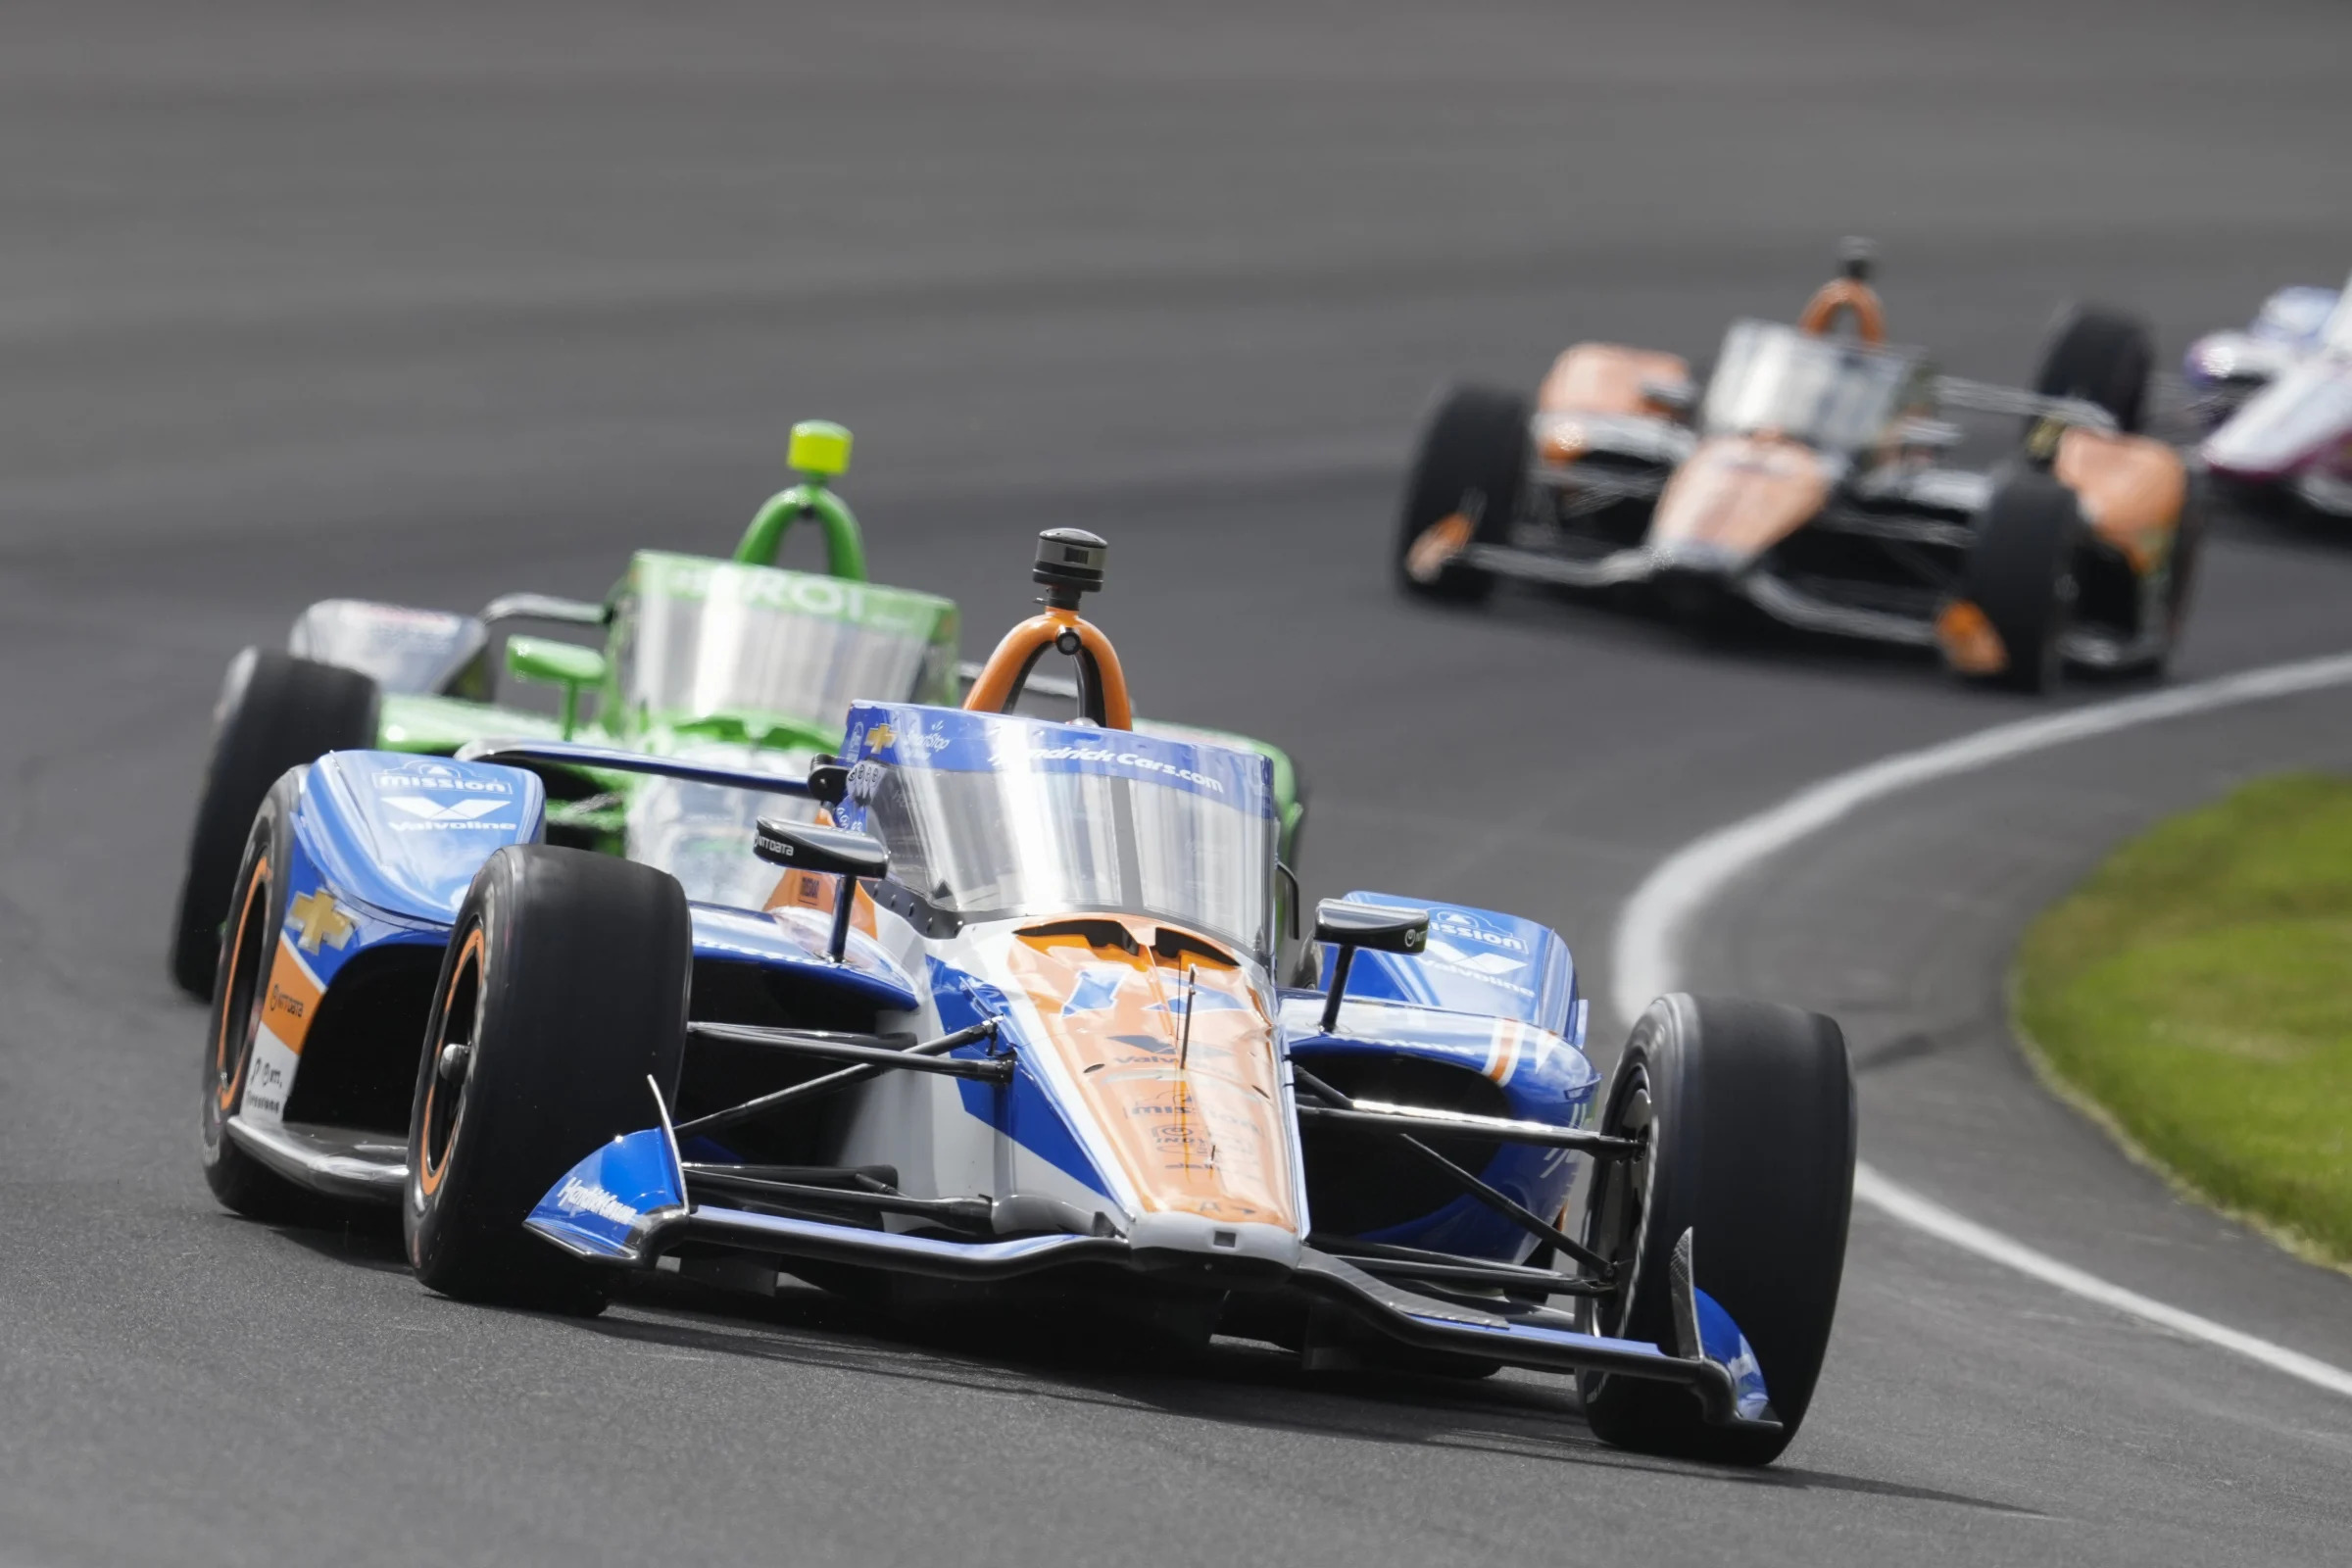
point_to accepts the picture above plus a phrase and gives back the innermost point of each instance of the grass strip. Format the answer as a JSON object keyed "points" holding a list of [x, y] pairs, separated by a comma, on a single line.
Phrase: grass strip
{"points": [[2196, 992]]}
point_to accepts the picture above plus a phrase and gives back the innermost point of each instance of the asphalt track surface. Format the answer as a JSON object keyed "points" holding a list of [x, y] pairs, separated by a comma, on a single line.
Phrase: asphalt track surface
{"points": [[430, 301]]}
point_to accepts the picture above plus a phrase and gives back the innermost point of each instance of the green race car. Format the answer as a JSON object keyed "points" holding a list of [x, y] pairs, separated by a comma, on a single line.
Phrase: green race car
{"points": [[733, 660]]}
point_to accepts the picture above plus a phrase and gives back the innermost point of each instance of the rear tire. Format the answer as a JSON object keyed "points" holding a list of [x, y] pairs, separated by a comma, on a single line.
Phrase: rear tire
{"points": [[2021, 575], [275, 712], [2101, 356], [1471, 466], [258, 894], [566, 981], [1749, 1110]]}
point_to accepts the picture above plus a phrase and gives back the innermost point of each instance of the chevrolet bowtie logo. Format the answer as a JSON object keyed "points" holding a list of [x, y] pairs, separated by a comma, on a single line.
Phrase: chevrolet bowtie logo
{"points": [[315, 914]]}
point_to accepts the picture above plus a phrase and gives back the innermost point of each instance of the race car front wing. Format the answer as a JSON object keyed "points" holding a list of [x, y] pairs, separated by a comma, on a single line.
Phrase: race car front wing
{"points": [[635, 1204]]}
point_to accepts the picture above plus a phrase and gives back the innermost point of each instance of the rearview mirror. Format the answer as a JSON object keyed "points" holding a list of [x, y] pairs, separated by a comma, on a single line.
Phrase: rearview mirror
{"points": [[1381, 927], [565, 665], [824, 851]]}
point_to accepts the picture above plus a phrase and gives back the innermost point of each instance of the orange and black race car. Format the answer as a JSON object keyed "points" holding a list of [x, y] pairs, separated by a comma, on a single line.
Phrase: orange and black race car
{"points": [[1811, 477]]}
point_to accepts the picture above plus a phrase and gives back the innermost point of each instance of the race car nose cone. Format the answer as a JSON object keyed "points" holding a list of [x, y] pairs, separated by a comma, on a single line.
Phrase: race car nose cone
{"points": [[1070, 559]]}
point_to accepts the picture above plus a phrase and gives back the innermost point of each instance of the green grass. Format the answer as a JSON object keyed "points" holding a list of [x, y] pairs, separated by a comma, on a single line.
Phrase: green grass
{"points": [[2198, 991]]}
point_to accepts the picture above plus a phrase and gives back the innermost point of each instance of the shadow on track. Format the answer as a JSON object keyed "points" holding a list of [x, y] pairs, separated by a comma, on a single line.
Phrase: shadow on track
{"points": [[1233, 1383]]}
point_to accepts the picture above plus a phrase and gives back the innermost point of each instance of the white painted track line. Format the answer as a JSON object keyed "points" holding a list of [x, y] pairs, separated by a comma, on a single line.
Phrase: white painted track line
{"points": [[1648, 960]]}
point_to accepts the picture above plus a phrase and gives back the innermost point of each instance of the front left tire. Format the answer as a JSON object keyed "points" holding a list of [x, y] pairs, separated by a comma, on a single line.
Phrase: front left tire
{"points": [[562, 994]]}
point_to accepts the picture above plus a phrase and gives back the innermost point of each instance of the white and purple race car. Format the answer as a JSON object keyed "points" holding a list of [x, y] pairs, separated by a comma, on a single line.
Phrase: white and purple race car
{"points": [[2277, 399]]}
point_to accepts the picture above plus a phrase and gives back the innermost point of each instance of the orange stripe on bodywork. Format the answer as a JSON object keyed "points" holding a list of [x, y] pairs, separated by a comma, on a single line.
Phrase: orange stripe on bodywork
{"points": [[2132, 490], [1204, 1136], [1503, 1053], [292, 1000]]}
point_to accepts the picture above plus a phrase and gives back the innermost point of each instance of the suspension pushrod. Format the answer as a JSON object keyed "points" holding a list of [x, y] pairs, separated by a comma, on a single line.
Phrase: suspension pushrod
{"points": [[961, 1211], [815, 1088], [1398, 1118], [1510, 1208], [793, 1042], [1504, 1276]]}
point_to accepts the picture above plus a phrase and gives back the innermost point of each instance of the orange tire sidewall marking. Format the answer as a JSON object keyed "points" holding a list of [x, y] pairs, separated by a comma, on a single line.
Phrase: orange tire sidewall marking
{"points": [[428, 1169], [228, 1092]]}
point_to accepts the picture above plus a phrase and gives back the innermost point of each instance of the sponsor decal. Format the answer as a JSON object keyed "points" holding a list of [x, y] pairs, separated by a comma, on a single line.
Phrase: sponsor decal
{"points": [[268, 1076], [316, 920], [1453, 923], [885, 610], [267, 1081], [1490, 964], [866, 780], [428, 815], [1135, 760], [576, 1197], [440, 776]]}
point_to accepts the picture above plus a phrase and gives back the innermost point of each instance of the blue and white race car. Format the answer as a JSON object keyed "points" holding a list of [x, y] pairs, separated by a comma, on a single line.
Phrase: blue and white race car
{"points": [[1010, 1018]]}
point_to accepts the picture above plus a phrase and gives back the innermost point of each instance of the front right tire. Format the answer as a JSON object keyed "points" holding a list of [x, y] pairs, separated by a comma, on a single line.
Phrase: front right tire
{"points": [[562, 994], [1746, 1116]]}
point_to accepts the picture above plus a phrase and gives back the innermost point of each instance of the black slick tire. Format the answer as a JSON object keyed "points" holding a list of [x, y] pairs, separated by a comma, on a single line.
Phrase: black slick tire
{"points": [[246, 956], [1748, 1114], [1471, 464], [275, 712], [2101, 356], [2021, 575], [564, 991]]}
